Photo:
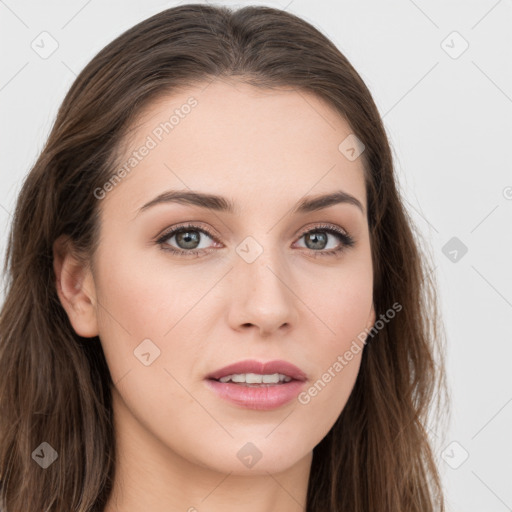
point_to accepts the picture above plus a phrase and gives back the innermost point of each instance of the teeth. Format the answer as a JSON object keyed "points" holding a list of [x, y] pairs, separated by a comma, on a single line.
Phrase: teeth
{"points": [[255, 378]]}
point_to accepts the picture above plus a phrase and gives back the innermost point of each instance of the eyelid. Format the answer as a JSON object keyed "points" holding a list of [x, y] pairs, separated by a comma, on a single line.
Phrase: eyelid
{"points": [[192, 225], [319, 226]]}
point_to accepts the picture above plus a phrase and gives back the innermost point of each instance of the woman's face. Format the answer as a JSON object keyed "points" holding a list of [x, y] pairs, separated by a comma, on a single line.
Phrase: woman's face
{"points": [[260, 282]]}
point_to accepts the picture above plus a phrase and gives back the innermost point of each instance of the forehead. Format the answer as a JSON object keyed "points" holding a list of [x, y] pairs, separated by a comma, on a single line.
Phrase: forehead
{"points": [[227, 137]]}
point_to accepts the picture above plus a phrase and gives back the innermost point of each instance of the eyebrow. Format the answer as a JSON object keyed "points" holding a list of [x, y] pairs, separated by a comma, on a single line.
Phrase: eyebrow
{"points": [[222, 204]]}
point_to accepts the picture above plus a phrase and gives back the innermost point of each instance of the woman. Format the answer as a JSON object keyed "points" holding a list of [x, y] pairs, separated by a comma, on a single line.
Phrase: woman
{"points": [[215, 295]]}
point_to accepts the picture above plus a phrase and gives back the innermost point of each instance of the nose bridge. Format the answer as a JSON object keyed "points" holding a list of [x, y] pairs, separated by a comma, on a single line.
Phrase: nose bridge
{"points": [[262, 294], [258, 263]]}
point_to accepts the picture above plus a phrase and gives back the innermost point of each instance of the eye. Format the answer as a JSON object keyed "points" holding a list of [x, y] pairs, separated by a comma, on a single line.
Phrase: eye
{"points": [[317, 238], [188, 238]]}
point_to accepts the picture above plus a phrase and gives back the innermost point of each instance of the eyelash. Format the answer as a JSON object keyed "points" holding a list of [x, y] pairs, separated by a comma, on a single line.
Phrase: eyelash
{"points": [[346, 240]]}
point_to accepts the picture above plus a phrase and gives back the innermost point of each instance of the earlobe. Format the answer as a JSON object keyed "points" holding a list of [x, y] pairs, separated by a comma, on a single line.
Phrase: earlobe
{"points": [[75, 288]]}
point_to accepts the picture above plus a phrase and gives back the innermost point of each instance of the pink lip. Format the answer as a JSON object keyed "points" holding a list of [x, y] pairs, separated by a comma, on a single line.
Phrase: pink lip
{"points": [[262, 396], [268, 368]]}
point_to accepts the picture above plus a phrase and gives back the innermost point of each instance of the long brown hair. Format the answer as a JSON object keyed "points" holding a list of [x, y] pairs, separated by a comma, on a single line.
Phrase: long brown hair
{"points": [[55, 385]]}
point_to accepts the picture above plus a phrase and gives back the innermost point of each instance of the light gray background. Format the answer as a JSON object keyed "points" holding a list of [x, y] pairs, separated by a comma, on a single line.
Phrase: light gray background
{"points": [[449, 118]]}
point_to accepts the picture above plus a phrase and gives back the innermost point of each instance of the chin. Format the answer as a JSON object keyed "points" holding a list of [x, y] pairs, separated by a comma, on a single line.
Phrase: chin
{"points": [[249, 458]]}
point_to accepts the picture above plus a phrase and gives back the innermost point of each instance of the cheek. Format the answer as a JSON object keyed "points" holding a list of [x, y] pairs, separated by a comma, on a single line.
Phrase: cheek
{"points": [[134, 305], [338, 360], [148, 308], [338, 327], [340, 303], [327, 395], [143, 299]]}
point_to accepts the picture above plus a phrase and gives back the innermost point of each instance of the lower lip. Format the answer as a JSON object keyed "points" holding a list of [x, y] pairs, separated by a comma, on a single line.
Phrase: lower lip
{"points": [[262, 397]]}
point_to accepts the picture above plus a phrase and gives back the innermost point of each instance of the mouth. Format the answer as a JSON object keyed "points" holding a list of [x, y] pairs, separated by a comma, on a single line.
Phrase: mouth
{"points": [[255, 379], [251, 372], [259, 386]]}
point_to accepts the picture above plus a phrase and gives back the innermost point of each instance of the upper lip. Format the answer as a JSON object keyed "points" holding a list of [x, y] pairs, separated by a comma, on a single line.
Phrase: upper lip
{"points": [[263, 368]]}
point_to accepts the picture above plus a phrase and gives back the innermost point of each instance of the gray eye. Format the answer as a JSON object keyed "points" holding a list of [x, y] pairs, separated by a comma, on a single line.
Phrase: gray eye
{"points": [[316, 240], [189, 238]]}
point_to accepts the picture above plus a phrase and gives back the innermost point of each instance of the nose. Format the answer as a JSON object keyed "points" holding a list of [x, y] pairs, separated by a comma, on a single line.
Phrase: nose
{"points": [[262, 296]]}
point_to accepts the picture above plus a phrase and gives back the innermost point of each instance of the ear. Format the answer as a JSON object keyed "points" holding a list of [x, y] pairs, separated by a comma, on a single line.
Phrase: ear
{"points": [[75, 288]]}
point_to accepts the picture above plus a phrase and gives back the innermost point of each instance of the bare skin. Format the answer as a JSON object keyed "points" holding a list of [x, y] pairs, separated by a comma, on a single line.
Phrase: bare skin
{"points": [[178, 440]]}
